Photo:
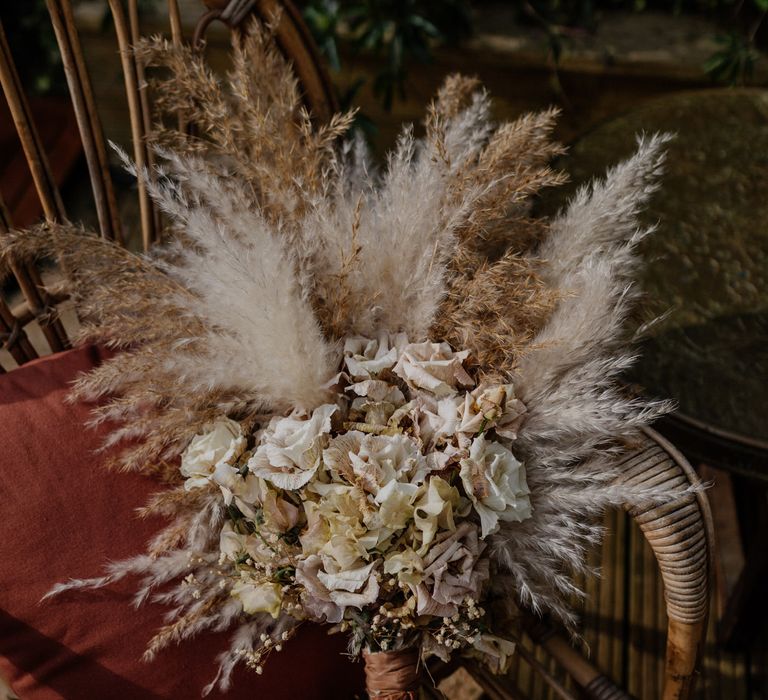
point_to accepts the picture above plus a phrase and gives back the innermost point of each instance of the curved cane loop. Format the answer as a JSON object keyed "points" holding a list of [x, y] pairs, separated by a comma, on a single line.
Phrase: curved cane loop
{"points": [[233, 12], [680, 535], [294, 40], [198, 36]]}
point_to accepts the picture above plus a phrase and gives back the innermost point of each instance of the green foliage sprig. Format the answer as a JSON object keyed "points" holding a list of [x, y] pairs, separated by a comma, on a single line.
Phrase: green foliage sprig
{"points": [[397, 31], [733, 63]]}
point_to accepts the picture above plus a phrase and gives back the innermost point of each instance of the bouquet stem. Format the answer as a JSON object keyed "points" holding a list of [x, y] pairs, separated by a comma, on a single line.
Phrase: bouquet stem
{"points": [[392, 675]]}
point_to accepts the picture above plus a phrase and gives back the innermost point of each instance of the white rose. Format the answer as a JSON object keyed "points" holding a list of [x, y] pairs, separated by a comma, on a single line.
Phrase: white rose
{"points": [[434, 367], [258, 597], [292, 447], [223, 443], [495, 482]]}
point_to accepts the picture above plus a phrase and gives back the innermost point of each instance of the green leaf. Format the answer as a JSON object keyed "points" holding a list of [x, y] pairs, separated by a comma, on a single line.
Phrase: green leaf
{"points": [[425, 25], [284, 574]]}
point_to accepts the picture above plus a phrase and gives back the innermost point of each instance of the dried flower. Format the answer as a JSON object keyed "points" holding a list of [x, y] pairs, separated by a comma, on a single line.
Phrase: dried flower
{"points": [[296, 280], [495, 482], [434, 367], [258, 598], [453, 569], [290, 452], [221, 443]]}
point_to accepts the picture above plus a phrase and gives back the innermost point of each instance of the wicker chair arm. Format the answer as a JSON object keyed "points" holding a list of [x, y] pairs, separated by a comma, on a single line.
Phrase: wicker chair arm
{"points": [[680, 535]]}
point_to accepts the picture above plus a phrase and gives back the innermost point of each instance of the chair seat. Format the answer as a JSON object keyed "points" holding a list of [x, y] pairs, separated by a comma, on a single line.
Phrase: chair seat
{"points": [[64, 516]]}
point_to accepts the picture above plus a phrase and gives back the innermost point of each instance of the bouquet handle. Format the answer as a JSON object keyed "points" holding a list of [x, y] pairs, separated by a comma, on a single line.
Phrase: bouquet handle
{"points": [[392, 675]]}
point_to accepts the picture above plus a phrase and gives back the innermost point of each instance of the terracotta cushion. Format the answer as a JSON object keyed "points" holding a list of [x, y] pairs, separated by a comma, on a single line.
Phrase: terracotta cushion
{"points": [[63, 515]]}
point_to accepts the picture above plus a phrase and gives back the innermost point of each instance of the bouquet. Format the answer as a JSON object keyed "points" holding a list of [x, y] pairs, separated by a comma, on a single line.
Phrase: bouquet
{"points": [[379, 400], [372, 511]]}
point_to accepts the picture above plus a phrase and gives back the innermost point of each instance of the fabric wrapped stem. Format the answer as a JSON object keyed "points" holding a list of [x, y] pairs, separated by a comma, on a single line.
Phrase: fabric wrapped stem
{"points": [[392, 675]]}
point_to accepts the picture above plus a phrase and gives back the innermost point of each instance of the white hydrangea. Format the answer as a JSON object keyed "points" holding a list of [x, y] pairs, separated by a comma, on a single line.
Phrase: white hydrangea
{"points": [[375, 460], [366, 358]]}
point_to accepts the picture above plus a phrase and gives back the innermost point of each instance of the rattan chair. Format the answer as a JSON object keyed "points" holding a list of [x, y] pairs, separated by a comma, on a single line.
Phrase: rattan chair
{"points": [[679, 533]]}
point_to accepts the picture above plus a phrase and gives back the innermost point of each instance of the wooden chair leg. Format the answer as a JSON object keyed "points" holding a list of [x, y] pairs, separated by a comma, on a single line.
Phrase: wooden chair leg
{"points": [[593, 682], [684, 641]]}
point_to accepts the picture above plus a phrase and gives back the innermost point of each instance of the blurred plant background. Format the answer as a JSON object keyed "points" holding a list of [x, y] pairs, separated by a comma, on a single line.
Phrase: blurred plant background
{"points": [[33, 43], [404, 33], [741, 21], [399, 32]]}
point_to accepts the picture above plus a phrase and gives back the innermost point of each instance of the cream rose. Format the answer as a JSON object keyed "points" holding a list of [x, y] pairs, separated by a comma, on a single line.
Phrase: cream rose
{"points": [[258, 597], [434, 367], [492, 407], [222, 443], [495, 483], [292, 447]]}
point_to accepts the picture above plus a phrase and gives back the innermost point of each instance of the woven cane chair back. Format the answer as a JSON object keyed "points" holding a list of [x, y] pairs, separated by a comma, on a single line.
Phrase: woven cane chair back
{"points": [[679, 533]]}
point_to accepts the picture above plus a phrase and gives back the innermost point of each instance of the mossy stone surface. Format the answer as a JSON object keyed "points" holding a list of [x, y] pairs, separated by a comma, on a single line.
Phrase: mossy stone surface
{"points": [[707, 263]]}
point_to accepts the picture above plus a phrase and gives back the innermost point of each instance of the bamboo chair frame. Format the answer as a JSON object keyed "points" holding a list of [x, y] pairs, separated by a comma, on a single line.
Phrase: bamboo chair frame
{"points": [[679, 533]]}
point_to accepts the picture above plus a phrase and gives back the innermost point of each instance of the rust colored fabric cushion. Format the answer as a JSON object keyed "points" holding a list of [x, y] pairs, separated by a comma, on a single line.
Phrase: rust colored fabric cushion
{"points": [[62, 515]]}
